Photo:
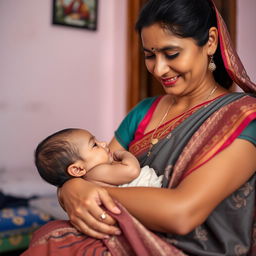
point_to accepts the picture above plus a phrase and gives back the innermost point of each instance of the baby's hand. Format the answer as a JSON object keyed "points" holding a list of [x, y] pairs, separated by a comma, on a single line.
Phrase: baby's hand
{"points": [[120, 155], [129, 162]]}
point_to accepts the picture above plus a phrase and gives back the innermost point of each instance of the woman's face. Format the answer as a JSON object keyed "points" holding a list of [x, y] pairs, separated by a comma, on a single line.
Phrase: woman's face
{"points": [[177, 63]]}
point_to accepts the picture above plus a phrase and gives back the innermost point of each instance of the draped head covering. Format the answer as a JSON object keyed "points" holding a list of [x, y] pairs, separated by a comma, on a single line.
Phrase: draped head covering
{"points": [[232, 62]]}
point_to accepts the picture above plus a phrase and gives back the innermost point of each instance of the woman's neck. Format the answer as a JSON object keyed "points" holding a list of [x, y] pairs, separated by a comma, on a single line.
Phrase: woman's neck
{"points": [[200, 95]]}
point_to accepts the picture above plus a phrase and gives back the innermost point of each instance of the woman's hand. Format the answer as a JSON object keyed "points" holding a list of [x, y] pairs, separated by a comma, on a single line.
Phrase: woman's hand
{"points": [[82, 201]]}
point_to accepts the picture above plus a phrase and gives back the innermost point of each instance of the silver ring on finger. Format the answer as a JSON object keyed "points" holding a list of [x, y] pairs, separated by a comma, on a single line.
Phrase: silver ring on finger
{"points": [[103, 216]]}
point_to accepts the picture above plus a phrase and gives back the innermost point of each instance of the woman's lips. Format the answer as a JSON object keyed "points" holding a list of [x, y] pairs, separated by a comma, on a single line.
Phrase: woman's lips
{"points": [[167, 82]]}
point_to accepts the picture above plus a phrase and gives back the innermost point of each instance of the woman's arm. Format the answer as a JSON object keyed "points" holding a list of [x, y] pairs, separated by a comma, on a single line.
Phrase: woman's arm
{"points": [[177, 210], [180, 210], [124, 171]]}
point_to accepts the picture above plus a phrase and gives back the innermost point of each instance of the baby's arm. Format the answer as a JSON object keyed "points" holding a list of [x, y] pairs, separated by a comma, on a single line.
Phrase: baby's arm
{"points": [[123, 171]]}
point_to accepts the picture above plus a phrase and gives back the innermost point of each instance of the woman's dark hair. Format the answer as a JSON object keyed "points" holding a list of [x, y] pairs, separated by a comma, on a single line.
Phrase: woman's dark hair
{"points": [[53, 156], [186, 18]]}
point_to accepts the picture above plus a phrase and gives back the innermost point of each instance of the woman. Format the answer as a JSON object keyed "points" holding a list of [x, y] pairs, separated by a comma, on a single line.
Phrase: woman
{"points": [[199, 135]]}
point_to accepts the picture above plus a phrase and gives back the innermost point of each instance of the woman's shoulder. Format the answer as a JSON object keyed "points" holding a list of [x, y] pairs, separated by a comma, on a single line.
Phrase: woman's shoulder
{"points": [[237, 100], [249, 133], [251, 96], [246, 101]]}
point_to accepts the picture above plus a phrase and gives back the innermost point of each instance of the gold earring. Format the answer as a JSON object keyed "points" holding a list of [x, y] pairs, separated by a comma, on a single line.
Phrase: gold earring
{"points": [[212, 65]]}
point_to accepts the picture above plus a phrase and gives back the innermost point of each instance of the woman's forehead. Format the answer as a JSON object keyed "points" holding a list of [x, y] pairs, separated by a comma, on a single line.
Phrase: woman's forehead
{"points": [[159, 37]]}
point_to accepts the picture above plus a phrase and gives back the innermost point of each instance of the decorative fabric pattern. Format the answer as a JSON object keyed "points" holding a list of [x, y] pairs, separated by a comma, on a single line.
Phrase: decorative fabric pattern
{"points": [[17, 225], [60, 238]]}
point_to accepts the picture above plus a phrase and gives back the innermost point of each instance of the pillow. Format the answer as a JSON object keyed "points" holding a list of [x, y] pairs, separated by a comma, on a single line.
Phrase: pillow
{"points": [[24, 182]]}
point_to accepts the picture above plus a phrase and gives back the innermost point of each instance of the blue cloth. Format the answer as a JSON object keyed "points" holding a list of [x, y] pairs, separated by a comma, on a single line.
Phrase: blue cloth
{"points": [[21, 220]]}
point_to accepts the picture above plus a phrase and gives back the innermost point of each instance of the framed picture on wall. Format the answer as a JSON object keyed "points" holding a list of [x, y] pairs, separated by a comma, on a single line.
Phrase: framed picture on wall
{"points": [[75, 13]]}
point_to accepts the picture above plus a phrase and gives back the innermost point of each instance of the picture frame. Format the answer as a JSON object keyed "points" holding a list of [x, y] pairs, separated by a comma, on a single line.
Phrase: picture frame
{"points": [[75, 13]]}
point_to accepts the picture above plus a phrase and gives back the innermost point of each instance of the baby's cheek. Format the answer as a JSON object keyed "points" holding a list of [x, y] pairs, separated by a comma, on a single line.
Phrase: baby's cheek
{"points": [[111, 159]]}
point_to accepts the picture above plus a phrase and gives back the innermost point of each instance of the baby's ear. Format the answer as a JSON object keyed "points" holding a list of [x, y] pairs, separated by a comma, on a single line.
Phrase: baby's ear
{"points": [[76, 169]]}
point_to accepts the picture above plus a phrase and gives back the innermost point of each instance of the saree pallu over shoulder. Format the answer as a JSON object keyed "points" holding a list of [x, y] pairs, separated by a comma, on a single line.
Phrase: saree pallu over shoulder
{"points": [[214, 136], [234, 109]]}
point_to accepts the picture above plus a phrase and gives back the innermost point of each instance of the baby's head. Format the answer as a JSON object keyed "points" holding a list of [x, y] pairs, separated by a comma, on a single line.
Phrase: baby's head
{"points": [[69, 153]]}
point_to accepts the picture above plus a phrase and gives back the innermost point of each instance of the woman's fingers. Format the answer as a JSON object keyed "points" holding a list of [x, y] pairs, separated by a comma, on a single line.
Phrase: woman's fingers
{"points": [[83, 202], [93, 204], [96, 218], [95, 226], [108, 202]]}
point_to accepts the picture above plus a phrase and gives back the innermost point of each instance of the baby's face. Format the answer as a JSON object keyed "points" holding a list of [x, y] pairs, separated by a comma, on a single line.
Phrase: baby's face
{"points": [[94, 152]]}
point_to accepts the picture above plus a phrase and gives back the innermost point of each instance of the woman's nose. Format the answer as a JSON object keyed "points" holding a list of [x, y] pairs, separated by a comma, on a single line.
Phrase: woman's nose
{"points": [[161, 67]]}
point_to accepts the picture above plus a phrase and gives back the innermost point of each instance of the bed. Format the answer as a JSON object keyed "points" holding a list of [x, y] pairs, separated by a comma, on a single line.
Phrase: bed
{"points": [[26, 203]]}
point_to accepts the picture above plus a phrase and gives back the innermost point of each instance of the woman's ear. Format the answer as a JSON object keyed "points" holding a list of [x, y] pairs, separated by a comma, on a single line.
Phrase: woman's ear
{"points": [[212, 41], [76, 169]]}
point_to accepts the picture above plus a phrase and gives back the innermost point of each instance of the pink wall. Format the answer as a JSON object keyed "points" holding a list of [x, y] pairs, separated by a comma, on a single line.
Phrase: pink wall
{"points": [[246, 35], [53, 77]]}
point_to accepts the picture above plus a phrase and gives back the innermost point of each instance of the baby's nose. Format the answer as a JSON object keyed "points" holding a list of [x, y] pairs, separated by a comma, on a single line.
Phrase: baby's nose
{"points": [[103, 144]]}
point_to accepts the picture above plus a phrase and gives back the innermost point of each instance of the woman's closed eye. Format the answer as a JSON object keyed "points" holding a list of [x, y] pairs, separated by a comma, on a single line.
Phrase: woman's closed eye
{"points": [[172, 56], [151, 56], [167, 56]]}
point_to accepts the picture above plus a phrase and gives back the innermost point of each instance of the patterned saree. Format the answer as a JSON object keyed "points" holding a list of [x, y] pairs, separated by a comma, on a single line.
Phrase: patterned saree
{"points": [[186, 143]]}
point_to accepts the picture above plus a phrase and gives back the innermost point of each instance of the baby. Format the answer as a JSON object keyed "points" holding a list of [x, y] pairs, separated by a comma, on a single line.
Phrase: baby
{"points": [[74, 152]]}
